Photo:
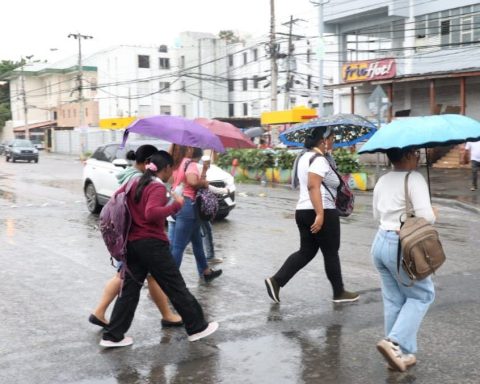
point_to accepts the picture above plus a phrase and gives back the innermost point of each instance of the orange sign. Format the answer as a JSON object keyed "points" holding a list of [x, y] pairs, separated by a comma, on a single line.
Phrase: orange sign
{"points": [[369, 70]]}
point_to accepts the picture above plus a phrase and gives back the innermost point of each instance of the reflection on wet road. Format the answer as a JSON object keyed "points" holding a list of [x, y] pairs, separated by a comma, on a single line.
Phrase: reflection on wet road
{"points": [[54, 266]]}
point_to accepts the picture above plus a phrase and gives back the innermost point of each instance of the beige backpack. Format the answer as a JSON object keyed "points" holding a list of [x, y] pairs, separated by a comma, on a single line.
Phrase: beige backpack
{"points": [[420, 251]]}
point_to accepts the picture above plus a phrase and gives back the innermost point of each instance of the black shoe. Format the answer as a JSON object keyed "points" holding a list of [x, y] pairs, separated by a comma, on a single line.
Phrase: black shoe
{"points": [[214, 273], [95, 320], [168, 323], [273, 289]]}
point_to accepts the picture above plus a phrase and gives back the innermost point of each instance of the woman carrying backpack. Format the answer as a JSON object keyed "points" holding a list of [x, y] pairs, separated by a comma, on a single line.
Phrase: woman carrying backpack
{"points": [[317, 219], [187, 224], [404, 307], [141, 157], [148, 251]]}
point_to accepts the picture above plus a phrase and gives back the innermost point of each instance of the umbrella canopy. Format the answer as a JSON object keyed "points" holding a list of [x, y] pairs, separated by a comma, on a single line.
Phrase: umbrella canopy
{"points": [[254, 132], [229, 135], [349, 129], [423, 132], [177, 130]]}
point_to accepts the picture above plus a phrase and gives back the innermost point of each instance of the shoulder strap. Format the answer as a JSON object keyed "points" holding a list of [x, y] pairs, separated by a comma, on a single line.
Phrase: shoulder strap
{"points": [[408, 202], [187, 163], [324, 185], [408, 209]]}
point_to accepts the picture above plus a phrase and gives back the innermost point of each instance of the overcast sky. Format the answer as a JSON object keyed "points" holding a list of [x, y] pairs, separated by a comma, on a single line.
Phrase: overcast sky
{"points": [[37, 26]]}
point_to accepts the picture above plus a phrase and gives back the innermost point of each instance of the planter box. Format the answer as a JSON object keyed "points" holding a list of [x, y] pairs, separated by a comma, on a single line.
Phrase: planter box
{"points": [[360, 181]]}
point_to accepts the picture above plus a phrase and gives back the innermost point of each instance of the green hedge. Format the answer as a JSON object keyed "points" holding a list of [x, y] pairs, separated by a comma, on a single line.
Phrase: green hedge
{"points": [[261, 159]]}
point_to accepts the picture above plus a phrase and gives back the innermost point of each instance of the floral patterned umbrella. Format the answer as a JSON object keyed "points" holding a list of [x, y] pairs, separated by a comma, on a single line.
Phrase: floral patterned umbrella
{"points": [[349, 129]]}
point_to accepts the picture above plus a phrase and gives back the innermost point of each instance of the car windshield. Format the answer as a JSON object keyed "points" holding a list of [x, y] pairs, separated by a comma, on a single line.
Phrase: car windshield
{"points": [[22, 143], [121, 153]]}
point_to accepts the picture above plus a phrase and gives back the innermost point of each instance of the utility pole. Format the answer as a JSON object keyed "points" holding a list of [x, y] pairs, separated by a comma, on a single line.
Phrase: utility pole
{"points": [[78, 36], [273, 59], [289, 58], [320, 54], [200, 85], [24, 97]]}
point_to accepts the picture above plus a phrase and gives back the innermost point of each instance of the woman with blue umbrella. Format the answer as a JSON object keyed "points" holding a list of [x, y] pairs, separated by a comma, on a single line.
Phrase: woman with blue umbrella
{"points": [[405, 307]]}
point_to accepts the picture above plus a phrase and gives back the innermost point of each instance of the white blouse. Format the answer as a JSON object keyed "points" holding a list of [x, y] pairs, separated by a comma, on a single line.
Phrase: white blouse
{"points": [[389, 199]]}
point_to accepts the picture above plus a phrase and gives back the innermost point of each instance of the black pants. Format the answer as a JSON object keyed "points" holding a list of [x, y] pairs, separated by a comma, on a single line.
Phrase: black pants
{"points": [[327, 239], [153, 255]]}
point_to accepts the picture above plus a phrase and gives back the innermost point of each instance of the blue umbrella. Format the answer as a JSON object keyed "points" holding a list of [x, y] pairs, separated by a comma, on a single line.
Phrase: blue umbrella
{"points": [[349, 130], [423, 132]]}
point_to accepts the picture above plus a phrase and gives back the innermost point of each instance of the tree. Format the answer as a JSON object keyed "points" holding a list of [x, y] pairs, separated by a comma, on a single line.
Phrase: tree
{"points": [[5, 113], [229, 36]]}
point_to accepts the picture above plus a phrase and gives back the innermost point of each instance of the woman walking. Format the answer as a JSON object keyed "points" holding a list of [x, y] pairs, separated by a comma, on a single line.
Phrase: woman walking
{"points": [[317, 220], [148, 251], [186, 227], [141, 157], [404, 307]]}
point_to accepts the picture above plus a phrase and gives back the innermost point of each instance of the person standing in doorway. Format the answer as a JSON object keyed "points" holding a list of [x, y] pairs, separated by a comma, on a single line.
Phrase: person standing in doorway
{"points": [[472, 154], [317, 220]]}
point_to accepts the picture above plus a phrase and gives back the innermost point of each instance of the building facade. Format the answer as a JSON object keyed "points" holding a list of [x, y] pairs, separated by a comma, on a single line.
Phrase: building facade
{"points": [[424, 55]]}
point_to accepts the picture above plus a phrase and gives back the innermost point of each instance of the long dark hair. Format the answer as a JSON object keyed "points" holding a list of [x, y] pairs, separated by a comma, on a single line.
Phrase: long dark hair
{"points": [[141, 154], [161, 160], [179, 152]]}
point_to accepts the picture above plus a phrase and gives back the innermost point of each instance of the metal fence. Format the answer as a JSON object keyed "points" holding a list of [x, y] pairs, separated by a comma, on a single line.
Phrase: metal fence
{"points": [[68, 142]]}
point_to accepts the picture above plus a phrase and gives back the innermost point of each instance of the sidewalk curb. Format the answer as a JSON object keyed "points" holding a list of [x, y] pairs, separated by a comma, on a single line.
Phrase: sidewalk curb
{"points": [[445, 201], [458, 204]]}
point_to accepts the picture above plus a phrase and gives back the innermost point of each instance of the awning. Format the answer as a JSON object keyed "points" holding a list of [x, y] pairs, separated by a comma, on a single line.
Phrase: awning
{"points": [[294, 115], [43, 124]]}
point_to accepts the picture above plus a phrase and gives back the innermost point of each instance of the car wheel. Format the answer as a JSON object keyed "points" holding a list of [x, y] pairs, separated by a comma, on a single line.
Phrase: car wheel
{"points": [[36, 160], [221, 215], [7, 159], [13, 159], [92, 200]]}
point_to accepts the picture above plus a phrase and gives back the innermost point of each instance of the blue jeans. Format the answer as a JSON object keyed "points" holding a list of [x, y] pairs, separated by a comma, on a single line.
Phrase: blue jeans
{"points": [[404, 307], [207, 238], [186, 229]]}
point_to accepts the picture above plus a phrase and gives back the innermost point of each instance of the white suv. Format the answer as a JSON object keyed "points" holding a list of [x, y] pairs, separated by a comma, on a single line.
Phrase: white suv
{"points": [[101, 169]]}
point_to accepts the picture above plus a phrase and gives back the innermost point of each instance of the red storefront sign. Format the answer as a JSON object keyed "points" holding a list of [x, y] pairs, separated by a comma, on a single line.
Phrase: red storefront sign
{"points": [[369, 70]]}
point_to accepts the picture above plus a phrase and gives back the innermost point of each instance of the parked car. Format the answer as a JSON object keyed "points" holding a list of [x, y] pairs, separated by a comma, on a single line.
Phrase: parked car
{"points": [[21, 149], [101, 169]]}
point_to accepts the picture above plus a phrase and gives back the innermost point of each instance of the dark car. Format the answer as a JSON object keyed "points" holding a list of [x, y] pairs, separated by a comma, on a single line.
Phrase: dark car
{"points": [[21, 149]]}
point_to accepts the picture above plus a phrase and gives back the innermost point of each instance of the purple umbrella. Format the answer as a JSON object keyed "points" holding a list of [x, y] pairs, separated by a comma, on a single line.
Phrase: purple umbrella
{"points": [[177, 130]]}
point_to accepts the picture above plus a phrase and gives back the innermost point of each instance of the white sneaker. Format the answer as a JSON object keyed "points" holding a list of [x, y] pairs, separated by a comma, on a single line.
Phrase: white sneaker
{"points": [[113, 344], [212, 327]]}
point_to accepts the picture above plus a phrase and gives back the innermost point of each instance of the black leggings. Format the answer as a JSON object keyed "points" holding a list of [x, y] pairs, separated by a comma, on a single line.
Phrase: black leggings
{"points": [[152, 255], [327, 239]]}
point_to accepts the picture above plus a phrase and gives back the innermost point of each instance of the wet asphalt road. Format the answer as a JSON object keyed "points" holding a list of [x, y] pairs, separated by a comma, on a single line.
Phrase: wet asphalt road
{"points": [[53, 265]]}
